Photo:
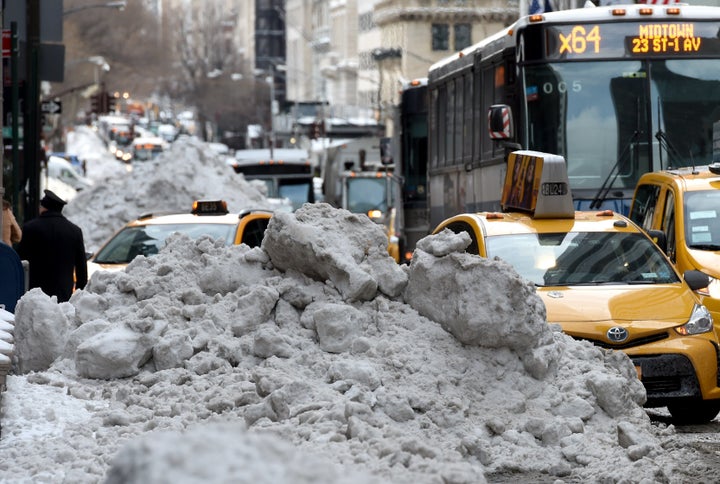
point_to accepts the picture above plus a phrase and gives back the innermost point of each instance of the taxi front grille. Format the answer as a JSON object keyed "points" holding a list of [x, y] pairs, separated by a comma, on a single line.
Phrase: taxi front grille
{"points": [[627, 344], [665, 384]]}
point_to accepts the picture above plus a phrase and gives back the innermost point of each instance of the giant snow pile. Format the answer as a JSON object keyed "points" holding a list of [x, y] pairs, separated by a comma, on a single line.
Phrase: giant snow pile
{"points": [[316, 357]]}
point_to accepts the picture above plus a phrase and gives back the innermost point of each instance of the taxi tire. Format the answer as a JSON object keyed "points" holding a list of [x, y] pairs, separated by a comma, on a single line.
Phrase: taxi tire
{"points": [[694, 412]]}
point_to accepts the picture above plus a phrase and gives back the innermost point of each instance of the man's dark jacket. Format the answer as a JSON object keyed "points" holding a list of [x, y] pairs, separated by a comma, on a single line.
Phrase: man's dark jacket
{"points": [[55, 249]]}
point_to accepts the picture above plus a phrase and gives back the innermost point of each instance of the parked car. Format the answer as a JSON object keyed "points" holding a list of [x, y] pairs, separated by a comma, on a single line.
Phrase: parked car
{"points": [[604, 280], [75, 161], [63, 170]]}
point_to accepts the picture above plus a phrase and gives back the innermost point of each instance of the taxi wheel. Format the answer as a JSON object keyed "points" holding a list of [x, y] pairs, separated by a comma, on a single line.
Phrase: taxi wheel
{"points": [[693, 413]]}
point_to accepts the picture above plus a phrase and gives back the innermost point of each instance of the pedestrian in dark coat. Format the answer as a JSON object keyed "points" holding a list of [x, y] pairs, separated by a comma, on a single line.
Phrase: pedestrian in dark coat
{"points": [[55, 250]]}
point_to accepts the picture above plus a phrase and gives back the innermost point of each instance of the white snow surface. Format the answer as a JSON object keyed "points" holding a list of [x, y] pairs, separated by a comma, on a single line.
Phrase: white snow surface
{"points": [[314, 358]]}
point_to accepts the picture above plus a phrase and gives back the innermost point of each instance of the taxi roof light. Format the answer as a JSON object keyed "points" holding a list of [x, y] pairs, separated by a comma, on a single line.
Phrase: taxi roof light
{"points": [[537, 183], [209, 207]]}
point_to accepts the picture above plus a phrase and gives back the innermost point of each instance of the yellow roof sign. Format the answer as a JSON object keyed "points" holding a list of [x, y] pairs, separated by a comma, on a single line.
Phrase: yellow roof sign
{"points": [[537, 183]]}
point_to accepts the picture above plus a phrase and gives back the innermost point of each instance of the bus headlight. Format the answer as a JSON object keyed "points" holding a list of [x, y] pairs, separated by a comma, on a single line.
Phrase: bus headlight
{"points": [[700, 322]]}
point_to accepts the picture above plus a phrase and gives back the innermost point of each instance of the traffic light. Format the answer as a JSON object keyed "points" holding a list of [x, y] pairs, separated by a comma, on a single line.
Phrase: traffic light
{"points": [[95, 103], [109, 102]]}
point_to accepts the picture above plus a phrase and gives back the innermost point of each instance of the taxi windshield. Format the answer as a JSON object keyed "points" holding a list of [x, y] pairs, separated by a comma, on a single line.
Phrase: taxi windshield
{"points": [[583, 258], [702, 226], [147, 240]]}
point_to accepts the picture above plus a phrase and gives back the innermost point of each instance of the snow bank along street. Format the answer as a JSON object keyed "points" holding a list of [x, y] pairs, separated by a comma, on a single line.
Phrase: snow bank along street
{"points": [[316, 358]]}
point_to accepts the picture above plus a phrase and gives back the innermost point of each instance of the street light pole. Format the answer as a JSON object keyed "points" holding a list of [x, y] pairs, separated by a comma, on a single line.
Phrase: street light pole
{"points": [[271, 80], [31, 115]]}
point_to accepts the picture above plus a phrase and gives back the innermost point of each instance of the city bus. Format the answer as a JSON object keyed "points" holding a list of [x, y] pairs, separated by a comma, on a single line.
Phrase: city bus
{"points": [[410, 155], [286, 172], [617, 91]]}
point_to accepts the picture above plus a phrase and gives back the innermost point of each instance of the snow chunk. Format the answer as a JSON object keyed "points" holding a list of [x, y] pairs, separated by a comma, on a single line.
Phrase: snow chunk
{"points": [[331, 244], [480, 301]]}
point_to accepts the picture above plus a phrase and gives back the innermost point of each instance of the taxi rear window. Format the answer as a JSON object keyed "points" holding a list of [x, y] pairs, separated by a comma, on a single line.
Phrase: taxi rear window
{"points": [[149, 239]]}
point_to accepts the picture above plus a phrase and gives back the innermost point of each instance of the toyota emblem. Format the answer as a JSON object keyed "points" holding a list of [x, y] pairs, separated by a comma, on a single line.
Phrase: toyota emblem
{"points": [[617, 334]]}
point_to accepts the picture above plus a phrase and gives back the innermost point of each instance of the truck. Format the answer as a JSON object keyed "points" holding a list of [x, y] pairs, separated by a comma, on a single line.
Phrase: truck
{"points": [[358, 179], [286, 172]]}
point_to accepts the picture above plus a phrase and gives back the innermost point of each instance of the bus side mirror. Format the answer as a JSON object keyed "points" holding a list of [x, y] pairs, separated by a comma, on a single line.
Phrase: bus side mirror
{"points": [[658, 236], [500, 124]]}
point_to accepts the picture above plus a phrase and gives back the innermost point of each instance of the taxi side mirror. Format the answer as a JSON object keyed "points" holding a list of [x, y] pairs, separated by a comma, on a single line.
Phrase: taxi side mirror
{"points": [[658, 236], [696, 279]]}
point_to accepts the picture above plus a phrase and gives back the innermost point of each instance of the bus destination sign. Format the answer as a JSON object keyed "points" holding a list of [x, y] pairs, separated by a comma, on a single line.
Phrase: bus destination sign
{"points": [[583, 41]]}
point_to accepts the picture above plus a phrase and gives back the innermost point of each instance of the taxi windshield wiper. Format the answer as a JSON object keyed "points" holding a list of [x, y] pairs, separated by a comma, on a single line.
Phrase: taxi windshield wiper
{"points": [[595, 283], [111, 261]]}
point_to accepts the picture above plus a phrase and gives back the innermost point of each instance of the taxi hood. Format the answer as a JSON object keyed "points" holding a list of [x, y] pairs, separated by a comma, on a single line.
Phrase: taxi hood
{"points": [[706, 261], [669, 304]]}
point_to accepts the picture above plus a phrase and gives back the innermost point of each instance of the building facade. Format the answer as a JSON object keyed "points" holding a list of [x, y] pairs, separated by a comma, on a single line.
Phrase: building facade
{"points": [[354, 54]]}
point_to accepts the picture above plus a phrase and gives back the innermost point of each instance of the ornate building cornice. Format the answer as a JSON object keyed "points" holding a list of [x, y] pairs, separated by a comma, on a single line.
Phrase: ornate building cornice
{"points": [[384, 16]]}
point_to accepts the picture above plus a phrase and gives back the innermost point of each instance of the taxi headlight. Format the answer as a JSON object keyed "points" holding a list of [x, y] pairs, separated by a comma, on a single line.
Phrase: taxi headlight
{"points": [[700, 322]]}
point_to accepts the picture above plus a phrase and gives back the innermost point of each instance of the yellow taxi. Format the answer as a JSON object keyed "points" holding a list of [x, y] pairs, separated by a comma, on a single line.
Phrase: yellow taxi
{"points": [[147, 235], [684, 205], [603, 280]]}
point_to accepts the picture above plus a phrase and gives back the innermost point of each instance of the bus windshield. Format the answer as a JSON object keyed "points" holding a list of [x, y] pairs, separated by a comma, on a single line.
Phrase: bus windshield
{"points": [[643, 115]]}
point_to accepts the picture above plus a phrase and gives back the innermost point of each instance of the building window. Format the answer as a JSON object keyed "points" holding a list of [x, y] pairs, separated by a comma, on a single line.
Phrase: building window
{"points": [[440, 37], [365, 22], [463, 36]]}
